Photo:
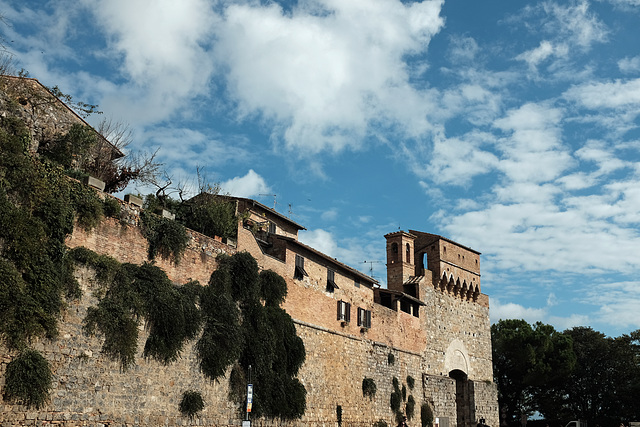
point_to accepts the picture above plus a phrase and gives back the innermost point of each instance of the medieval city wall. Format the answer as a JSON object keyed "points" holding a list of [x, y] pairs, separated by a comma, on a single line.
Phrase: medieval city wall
{"points": [[91, 389]]}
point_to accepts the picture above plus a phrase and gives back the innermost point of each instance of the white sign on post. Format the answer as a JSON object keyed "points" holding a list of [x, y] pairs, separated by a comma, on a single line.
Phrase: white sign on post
{"points": [[249, 397]]}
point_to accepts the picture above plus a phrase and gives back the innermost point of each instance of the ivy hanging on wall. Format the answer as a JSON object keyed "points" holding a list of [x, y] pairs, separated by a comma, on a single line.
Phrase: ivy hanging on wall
{"points": [[28, 379], [243, 321], [130, 293], [191, 403], [38, 207], [400, 403], [369, 387], [167, 237]]}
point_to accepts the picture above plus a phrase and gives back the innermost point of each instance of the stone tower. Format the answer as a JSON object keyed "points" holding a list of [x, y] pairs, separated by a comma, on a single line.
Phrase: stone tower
{"points": [[400, 259]]}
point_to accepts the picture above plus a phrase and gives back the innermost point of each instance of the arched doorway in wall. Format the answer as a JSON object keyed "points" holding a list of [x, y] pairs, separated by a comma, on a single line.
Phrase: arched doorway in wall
{"points": [[463, 401], [456, 363]]}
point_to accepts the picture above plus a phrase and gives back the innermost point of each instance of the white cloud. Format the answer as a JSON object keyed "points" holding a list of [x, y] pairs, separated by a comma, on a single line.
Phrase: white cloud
{"points": [[502, 311], [576, 23], [541, 53], [616, 94], [532, 150], [320, 240], [463, 49], [630, 65], [250, 185], [329, 215], [162, 51], [618, 304], [458, 160], [328, 70], [191, 148], [625, 3]]}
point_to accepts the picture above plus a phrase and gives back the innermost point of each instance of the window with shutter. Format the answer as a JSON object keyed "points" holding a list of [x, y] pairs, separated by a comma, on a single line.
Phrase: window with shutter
{"points": [[364, 318], [331, 282], [299, 271], [344, 311]]}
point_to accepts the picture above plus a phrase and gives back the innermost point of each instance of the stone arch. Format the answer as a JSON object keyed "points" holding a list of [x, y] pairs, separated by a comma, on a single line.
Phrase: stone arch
{"points": [[457, 357]]}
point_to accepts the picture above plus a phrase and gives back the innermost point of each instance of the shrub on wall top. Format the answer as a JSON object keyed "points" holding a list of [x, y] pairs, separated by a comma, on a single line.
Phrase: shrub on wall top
{"points": [[167, 238]]}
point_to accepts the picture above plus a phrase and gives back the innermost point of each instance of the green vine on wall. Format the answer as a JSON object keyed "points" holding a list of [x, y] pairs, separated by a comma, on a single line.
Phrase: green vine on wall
{"points": [[131, 293], [28, 379], [426, 415], [399, 397], [191, 403], [243, 321], [167, 238], [369, 387], [38, 208]]}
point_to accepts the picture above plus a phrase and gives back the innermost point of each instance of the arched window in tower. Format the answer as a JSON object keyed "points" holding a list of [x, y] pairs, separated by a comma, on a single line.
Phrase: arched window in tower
{"points": [[394, 252], [408, 254]]}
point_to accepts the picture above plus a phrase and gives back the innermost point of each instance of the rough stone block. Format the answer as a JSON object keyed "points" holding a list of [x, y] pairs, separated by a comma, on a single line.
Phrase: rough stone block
{"points": [[134, 200], [94, 182]]}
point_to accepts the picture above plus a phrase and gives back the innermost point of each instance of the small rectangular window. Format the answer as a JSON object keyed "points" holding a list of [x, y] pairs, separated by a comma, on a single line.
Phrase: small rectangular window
{"points": [[344, 311], [272, 227], [331, 282], [300, 271], [356, 283], [364, 318]]}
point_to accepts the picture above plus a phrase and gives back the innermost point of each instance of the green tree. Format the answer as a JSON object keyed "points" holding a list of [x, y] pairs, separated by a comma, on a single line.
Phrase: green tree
{"points": [[529, 362], [604, 386]]}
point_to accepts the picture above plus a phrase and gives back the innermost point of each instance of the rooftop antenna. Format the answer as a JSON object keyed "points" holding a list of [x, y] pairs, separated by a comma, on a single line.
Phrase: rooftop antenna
{"points": [[371, 267], [274, 199]]}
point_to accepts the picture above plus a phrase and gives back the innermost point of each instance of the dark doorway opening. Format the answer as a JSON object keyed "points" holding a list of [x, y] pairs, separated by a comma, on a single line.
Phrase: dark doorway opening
{"points": [[463, 400]]}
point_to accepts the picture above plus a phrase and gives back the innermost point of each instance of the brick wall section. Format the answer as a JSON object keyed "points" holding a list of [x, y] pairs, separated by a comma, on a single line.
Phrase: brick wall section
{"points": [[124, 242]]}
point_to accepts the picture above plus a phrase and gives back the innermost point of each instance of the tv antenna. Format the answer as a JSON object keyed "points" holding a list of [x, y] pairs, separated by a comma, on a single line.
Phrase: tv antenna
{"points": [[274, 199], [371, 266]]}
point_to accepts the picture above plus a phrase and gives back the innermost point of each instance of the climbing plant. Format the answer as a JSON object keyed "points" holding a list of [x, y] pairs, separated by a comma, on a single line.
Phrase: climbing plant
{"points": [[426, 415], [28, 379], [368, 387], [39, 206], [410, 407], [191, 403], [132, 293], [243, 321], [167, 237]]}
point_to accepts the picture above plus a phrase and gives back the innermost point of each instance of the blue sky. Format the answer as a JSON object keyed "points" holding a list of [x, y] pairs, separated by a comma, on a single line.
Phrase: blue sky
{"points": [[511, 127]]}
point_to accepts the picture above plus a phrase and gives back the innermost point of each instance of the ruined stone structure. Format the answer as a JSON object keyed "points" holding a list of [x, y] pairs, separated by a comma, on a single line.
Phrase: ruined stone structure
{"points": [[429, 329]]}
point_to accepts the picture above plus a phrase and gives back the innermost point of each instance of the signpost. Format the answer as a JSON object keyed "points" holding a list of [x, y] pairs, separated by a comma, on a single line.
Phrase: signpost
{"points": [[246, 422]]}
